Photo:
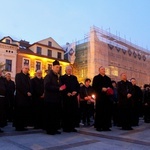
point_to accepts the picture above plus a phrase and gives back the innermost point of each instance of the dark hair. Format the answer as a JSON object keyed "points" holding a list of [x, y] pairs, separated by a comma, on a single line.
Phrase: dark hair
{"points": [[87, 79], [113, 81], [132, 79], [56, 62]]}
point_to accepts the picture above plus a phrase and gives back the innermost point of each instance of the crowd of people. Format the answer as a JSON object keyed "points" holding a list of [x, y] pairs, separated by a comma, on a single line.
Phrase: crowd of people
{"points": [[58, 102]]}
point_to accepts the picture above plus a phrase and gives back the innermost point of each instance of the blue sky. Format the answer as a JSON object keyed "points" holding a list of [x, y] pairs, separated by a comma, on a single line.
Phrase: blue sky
{"points": [[68, 20]]}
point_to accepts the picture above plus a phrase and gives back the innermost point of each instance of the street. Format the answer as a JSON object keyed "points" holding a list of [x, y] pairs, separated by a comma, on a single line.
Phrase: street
{"points": [[87, 138]]}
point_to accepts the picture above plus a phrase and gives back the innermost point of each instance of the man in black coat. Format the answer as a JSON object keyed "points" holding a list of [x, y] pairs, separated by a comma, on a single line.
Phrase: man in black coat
{"points": [[137, 98], [23, 101], [125, 92], [37, 84], [3, 118], [70, 102], [146, 103], [52, 100], [102, 85], [10, 85]]}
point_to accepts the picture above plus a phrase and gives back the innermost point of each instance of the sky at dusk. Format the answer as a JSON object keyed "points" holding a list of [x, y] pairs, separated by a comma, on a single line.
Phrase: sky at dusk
{"points": [[69, 21]]}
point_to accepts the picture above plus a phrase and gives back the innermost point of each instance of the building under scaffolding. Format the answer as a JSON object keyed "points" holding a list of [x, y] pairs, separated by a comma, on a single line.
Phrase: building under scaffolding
{"points": [[117, 55]]}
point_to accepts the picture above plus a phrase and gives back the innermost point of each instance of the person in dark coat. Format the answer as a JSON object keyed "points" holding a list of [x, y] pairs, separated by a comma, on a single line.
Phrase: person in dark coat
{"points": [[23, 100], [146, 103], [137, 98], [3, 116], [125, 92], [102, 87], [10, 85], [86, 101], [37, 84], [70, 101], [52, 100], [115, 104]]}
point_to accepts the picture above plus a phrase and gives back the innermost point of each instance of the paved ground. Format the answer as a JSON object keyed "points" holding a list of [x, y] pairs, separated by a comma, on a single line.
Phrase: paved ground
{"points": [[86, 139]]}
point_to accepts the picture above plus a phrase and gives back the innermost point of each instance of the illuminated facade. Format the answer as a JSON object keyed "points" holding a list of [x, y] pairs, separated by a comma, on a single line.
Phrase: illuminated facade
{"points": [[39, 55], [101, 48]]}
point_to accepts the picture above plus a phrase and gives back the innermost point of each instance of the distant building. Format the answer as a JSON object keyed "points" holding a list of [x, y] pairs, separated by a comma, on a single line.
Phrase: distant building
{"points": [[39, 55], [117, 55], [8, 54]]}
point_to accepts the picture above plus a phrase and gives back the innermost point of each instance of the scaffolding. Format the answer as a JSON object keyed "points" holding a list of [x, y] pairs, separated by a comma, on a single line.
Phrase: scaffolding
{"points": [[115, 40], [102, 48]]}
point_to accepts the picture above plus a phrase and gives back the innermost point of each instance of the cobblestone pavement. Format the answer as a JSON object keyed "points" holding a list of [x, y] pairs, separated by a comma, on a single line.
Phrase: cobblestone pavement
{"points": [[87, 138]]}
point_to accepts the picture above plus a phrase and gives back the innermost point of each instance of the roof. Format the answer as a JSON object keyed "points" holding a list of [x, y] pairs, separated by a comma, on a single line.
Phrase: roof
{"points": [[8, 43], [8, 37], [46, 46]]}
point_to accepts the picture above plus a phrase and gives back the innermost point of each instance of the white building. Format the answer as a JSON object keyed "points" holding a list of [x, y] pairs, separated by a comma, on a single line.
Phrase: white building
{"points": [[8, 55]]}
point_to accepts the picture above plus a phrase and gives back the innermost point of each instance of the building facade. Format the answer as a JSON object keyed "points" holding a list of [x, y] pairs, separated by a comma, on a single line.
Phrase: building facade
{"points": [[39, 55], [117, 55], [8, 54]]}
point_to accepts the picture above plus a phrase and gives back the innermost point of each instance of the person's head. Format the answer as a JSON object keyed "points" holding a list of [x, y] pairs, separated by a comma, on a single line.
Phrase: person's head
{"points": [[68, 70], [8, 76], [25, 69], [133, 81], [123, 76], [81, 84], [102, 70], [56, 66], [87, 82], [38, 73], [114, 84]]}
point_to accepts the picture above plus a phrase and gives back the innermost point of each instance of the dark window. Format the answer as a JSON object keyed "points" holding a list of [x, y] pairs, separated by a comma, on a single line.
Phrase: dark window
{"points": [[26, 62], [38, 65], [7, 41], [59, 55], [39, 50], [49, 43], [49, 53], [8, 65]]}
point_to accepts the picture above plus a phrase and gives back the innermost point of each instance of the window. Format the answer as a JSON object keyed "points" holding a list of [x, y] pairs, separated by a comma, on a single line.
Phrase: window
{"points": [[7, 41], [49, 43], [49, 53], [26, 62], [38, 65], [39, 50], [59, 55], [8, 65]]}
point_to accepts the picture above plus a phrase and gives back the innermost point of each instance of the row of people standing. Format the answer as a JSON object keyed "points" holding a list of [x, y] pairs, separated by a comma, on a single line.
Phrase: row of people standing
{"points": [[122, 101], [7, 88], [61, 105], [53, 101], [138, 104], [49, 103]]}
